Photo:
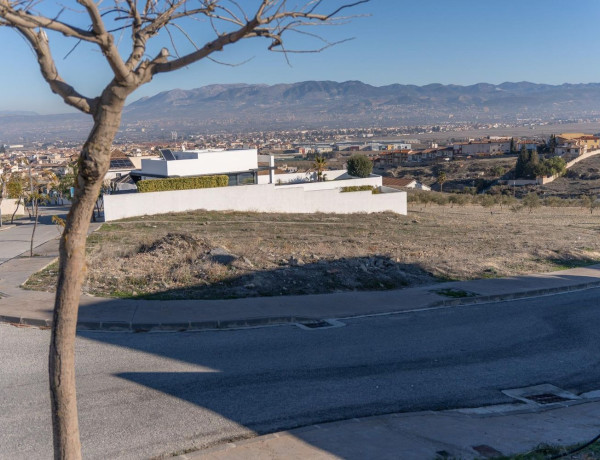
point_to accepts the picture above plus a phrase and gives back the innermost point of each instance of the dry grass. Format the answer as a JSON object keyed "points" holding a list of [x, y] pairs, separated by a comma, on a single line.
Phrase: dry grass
{"points": [[186, 255]]}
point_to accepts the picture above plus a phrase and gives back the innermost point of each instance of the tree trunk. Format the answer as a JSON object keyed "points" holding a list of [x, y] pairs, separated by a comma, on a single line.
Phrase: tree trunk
{"points": [[12, 219], [93, 164], [36, 212]]}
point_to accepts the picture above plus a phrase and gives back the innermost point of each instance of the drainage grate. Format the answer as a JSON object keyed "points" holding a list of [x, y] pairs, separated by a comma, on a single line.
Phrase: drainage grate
{"points": [[546, 398], [318, 325], [487, 451]]}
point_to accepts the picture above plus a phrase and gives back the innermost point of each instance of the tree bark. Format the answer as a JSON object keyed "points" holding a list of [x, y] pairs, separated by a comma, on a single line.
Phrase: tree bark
{"points": [[12, 219], [35, 222], [94, 161]]}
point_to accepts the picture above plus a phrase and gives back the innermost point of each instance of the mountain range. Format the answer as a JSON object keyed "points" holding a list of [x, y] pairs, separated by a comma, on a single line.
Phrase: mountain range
{"points": [[355, 103], [315, 104]]}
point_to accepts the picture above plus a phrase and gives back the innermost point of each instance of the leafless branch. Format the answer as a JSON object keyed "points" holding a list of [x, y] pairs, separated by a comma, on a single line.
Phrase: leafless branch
{"points": [[39, 44]]}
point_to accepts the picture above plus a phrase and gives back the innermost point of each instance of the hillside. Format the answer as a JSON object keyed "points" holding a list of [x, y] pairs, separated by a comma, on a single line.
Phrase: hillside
{"points": [[355, 103], [318, 104], [581, 179]]}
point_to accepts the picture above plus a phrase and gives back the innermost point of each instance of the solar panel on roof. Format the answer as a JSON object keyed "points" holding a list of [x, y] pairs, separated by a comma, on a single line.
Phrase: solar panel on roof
{"points": [[167, 154], [121, 163]]}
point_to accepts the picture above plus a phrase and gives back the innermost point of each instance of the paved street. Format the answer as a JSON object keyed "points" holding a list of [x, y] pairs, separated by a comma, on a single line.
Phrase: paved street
{"points": [[147, 394], [16, 239]]}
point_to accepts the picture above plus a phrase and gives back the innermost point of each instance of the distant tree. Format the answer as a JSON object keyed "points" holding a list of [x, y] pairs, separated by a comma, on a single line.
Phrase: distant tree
{"points": [[15, 191], [531, 201], [552, 144], [498, 171], [532, 164], [487, 201], [589, 202], [320, 164], [441, 178], [522, 159], [512, 148], [4, 178], [37, 197], [359, 166], [64, 186]]}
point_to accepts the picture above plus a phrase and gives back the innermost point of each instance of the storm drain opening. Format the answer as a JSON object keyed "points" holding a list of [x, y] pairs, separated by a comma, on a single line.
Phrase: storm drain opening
{"points": [[321, 324], [544, 394], [547, 398]]}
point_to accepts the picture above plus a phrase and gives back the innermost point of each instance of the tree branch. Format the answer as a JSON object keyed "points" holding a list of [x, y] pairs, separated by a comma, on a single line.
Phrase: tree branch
{"points": [[39, 43], [107, 43], [23, 19]]}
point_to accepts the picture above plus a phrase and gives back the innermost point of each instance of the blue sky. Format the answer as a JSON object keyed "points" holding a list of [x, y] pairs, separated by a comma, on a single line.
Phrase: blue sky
{"points": [[409, 42]]}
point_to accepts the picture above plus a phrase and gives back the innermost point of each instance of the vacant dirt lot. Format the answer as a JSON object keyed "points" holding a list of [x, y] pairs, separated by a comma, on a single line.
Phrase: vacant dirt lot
{"points": [[221, 255]]}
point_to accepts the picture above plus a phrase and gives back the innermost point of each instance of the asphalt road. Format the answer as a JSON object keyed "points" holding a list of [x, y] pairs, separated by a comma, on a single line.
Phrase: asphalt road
{"points": [[142, 395], [17, 239]]}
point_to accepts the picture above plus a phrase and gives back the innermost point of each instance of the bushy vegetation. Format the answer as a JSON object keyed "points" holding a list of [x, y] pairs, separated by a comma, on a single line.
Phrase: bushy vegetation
{"points": [[182, 183], [530, 201], [529, 165], [359, 166], [361, 188]]}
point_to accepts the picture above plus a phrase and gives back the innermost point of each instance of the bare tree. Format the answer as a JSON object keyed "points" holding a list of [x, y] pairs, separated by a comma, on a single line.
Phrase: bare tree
{"points": [[139, 22], [4, 178]]}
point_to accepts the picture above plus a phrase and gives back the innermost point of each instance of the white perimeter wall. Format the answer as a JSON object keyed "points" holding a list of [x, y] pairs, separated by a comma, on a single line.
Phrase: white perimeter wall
{"points": [[259, 198], [8, 207]]}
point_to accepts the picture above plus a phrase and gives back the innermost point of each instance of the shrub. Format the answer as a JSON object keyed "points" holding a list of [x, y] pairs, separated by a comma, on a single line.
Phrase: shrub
{"points": [[182, 183], [554, 202], [498, 171], [440, 199], [487, 201], [359, 166], [361, 188], [459, 199], [531, 201]]}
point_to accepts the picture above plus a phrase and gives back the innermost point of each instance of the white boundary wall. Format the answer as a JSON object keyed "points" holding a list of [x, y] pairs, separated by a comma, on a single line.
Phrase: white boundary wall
{"points": [[8, 207], [258, 198]]}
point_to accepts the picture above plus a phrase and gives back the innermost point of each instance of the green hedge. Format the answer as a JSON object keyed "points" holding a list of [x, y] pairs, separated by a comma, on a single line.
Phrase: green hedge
{"points": [[182, 183], [361, 188]]}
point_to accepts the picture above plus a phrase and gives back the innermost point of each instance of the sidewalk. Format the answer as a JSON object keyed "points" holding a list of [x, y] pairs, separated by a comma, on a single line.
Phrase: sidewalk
{"points": [[456, 434], [35, 308]]}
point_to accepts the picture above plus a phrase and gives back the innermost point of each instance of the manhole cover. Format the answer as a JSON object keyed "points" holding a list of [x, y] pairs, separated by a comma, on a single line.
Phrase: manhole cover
{"points": [[546, 398]]}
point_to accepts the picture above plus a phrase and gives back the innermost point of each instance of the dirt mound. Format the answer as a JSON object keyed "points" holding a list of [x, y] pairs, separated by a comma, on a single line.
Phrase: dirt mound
{"points": [[172, 243]]}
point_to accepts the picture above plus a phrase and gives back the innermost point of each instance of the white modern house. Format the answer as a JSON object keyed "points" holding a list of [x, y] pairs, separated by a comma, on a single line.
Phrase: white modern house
{"points": [[240, 165], [276, 193]]}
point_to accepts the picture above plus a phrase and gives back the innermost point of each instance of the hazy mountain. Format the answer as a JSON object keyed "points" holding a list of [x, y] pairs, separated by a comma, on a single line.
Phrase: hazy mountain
{"points": [[355, 103], [16, 113], [314, 104]]}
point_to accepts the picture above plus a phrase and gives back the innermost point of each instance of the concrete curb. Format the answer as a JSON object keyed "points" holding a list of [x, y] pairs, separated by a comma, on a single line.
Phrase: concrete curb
{"points": [[514, 295], [183, 326]]}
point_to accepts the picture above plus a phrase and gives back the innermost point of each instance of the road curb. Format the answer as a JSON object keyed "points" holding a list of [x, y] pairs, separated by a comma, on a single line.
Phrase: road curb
{"points": [[191, 326], [124, 326], [514, 295]]}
